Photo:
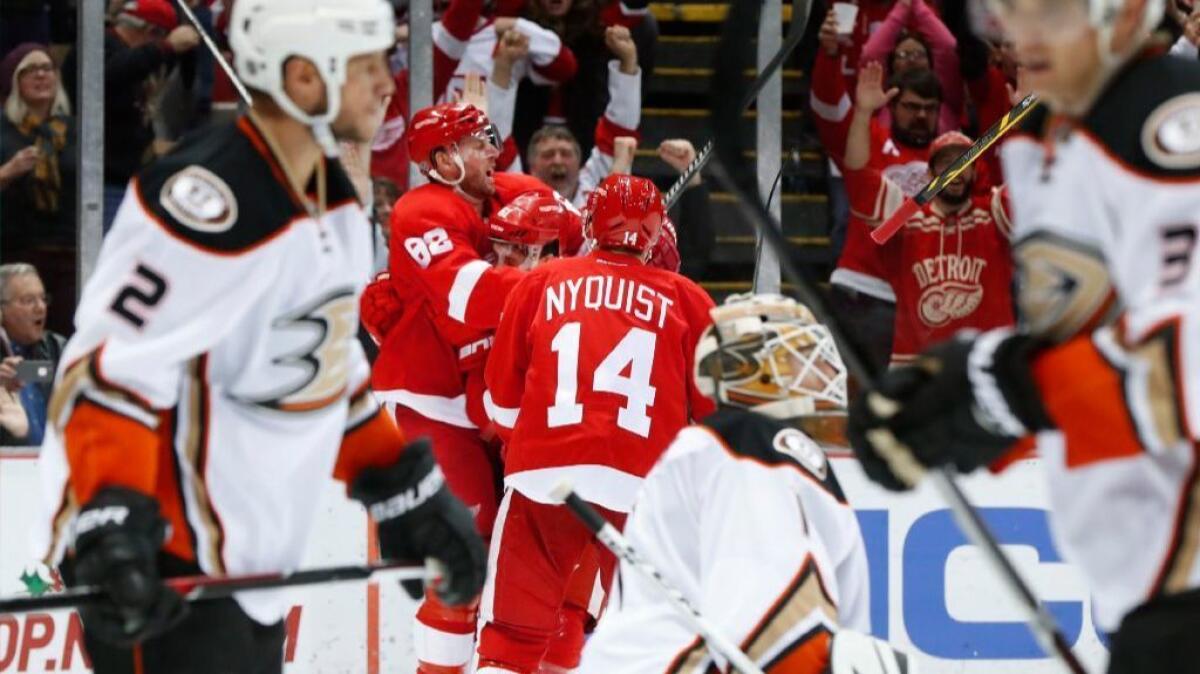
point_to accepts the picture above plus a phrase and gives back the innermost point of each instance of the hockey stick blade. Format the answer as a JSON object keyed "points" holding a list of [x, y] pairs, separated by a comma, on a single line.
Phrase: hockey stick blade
{"points": [[997, 131], [800, 11], [200, 588], [731, 58], [620, 546]]}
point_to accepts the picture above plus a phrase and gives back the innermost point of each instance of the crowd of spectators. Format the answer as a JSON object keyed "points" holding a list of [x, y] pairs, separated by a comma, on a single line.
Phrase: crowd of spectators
{"points": [[563, 80]]}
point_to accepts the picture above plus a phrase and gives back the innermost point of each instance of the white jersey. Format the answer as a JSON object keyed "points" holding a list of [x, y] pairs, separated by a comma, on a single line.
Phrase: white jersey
{"points": [[1105, 213], [746, 518], [221, 317]]}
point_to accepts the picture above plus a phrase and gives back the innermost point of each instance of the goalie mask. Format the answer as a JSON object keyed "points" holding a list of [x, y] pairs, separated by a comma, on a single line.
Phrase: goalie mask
{"points": [[768, 353]]}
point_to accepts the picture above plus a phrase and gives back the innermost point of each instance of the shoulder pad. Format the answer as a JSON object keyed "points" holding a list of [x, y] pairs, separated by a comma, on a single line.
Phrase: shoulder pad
{"points": [[218, 191], [770, 442], [1149, 118]]}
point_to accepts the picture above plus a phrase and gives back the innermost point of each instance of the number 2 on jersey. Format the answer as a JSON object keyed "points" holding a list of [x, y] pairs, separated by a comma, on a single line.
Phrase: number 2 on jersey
{"points": [[634, 352]]}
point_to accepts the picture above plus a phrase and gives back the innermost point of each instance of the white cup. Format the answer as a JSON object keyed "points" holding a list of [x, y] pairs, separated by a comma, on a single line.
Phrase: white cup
{"points": [[846, 13]]}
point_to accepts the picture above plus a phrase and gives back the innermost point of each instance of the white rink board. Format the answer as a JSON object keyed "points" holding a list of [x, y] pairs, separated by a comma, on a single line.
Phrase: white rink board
{"points": [[940, 599]]}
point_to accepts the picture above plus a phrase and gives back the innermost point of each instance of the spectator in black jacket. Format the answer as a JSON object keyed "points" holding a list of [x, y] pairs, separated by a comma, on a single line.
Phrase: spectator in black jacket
{"points": [[144, 39], [23, 303], [37, 170]]}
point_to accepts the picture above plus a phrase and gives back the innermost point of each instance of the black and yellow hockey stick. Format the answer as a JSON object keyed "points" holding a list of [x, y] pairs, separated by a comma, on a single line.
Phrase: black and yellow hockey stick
{"points": [[882, 233]]}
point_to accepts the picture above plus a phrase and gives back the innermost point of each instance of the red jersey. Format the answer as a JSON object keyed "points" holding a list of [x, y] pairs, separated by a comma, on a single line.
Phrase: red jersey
{"points": [[863, 265], [449, 296], [949, 271], [590, 375]]}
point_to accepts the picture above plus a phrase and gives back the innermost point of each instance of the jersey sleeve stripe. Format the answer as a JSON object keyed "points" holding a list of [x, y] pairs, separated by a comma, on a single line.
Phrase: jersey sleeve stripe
{"points": [[464, 284], [690, 658], [195, 410], [803, 602], [504, 416]]}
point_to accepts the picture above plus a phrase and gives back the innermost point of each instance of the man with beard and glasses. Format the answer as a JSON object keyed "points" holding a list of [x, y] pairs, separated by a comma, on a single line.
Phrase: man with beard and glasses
{"points": [[899, 152], [949, 266]]}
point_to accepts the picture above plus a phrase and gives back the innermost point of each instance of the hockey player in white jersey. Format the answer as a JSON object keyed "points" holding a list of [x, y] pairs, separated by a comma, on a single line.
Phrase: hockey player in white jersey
{"points": [[1105, 186], [215, 383], [744, 515]]}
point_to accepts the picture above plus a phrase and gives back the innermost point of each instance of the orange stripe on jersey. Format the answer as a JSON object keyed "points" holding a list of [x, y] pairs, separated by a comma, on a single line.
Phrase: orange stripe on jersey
{"points": [[1085, 397], [809, 653], [377, 442], [105, 448]]}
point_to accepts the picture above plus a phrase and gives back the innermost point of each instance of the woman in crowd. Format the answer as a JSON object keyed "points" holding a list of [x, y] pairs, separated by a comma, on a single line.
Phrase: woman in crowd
{"points": [[913, 37], [37, 173]]}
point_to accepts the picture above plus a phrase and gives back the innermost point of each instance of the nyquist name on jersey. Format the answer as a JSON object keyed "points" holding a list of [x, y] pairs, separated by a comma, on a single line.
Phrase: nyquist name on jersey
{"points": [[606, 292]]}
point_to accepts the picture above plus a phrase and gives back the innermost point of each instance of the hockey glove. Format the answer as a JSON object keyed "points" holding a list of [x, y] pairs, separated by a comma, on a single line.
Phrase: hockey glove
{"points": [[117, 538], [418, 517], [962, 403], [380, 307]]}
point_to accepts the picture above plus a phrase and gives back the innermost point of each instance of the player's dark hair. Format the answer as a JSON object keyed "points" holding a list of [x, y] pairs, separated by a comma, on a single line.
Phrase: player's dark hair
{"points": [[921, 82]]}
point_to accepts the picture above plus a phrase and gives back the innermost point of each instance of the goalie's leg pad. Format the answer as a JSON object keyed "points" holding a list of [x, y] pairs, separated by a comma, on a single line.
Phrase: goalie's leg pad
{"points": [[444, 636]]}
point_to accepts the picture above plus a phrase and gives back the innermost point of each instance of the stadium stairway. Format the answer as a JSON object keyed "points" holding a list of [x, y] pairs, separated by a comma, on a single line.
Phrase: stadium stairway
{"points": [[676, 106]]}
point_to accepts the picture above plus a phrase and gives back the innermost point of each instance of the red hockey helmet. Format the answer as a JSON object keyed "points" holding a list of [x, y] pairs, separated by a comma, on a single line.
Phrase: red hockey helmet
{"points": [[532, 219], [521, 230], [665, 254], [624, 213], [444, 125]]}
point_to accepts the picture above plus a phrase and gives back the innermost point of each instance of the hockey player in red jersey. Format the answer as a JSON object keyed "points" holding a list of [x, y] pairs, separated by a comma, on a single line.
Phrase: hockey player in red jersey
{"points": [[214, 383], [449, 296], [589, 379], [1104, 182]]}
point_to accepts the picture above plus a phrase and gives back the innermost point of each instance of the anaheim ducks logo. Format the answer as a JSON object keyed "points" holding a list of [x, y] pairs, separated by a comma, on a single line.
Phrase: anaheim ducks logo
{"points": [[200, 199], [312, 355], [949, 301]]}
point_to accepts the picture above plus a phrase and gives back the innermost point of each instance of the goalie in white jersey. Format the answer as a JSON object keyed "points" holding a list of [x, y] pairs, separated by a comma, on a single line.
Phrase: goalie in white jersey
{"points": [[215, 383], [1105, 187], [745, 516]]}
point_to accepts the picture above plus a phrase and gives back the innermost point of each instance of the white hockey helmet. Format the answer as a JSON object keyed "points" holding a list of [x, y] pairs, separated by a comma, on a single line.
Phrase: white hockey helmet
{"points": [[264, 34], [768, 353], [1101, 14]]}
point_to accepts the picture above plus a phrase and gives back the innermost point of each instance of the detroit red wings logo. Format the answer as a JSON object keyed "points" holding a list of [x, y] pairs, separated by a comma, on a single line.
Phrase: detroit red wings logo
{"points": [[948, 301]]}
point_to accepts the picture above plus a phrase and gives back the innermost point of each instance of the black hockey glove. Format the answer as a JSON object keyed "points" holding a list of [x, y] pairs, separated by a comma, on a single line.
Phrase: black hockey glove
{"points": [[418, 517], [117, 538], [962, 403]]}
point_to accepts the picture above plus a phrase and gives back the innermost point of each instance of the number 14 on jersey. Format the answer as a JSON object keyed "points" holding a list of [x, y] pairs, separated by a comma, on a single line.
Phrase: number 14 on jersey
{"points": [[635, 353]]}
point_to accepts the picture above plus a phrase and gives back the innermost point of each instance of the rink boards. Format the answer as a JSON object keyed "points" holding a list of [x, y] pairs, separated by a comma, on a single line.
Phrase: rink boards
{"points": [[931, 593]]}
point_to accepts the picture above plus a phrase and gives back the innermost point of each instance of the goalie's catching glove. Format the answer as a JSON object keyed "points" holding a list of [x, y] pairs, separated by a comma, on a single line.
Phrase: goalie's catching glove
{"points": [[419, 518], [961, 403], [117, 538]]}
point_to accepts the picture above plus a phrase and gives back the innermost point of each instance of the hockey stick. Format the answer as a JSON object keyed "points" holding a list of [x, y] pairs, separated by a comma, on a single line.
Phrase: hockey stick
{"points": [[620, 546], [795, 34], [882, 233], [212, 47], [200, 588], [731, 58]]}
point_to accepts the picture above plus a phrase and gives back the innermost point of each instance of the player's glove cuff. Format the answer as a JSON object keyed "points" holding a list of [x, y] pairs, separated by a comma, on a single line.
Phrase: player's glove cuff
{"points": [[1006, 399], [419, 518]]}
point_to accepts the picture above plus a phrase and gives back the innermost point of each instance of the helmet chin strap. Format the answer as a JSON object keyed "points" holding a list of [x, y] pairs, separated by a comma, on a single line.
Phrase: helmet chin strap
{"points": [[462, 170]]}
